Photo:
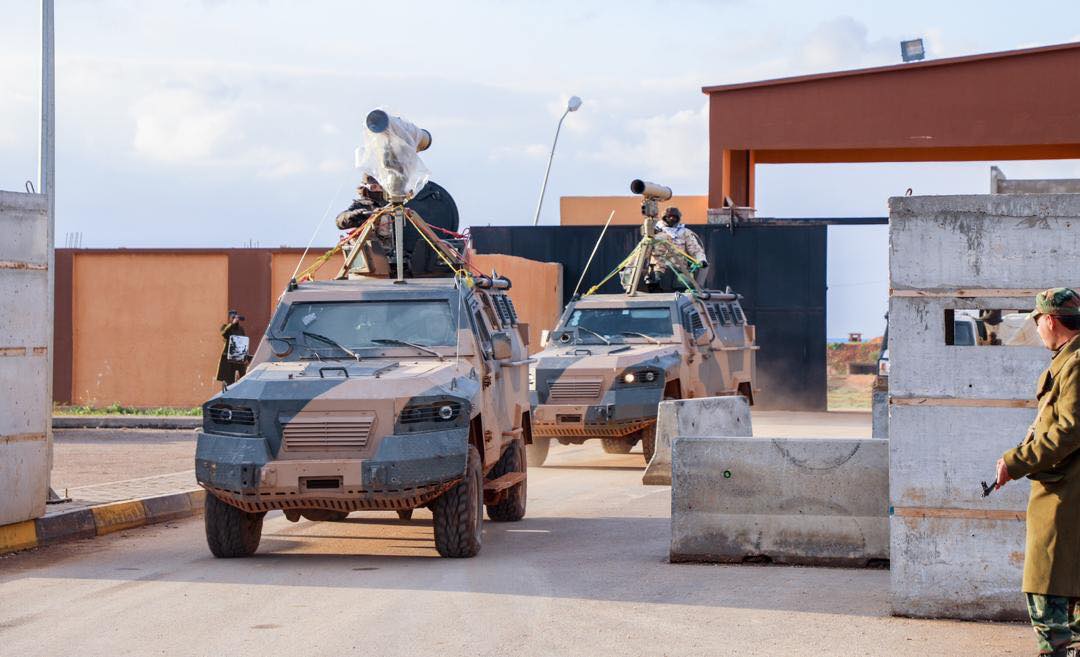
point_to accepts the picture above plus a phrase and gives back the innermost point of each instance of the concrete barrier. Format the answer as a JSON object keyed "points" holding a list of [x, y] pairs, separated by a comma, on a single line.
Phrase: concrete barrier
{"points": [[707, 416], [809, 501]]}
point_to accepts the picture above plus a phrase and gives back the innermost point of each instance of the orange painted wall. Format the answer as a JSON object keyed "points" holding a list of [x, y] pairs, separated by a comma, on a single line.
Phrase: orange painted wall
{"points": [[536, 290], [594, 210], [145, 327], [282, 266]]}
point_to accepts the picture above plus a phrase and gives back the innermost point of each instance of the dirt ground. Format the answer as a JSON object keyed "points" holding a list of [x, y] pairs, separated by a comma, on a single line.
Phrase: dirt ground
{"points": [[99, 456]]}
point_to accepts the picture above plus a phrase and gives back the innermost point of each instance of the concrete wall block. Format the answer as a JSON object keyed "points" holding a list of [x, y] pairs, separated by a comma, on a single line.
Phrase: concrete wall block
{"points": [[22, 300], [23, 413], [708, 416], [957, 568], [25, 408], [924, 366], [983, 241], [794, 500], [939, 454], [25, 221], [24, 479]]}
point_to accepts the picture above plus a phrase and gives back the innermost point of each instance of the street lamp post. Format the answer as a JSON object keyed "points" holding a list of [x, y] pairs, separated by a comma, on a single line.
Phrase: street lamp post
{"points": [[571, 106]]}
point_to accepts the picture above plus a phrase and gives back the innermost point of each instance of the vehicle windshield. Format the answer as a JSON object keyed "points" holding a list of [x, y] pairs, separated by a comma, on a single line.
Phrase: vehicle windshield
{"points": [[620, 324], [358, 325]]}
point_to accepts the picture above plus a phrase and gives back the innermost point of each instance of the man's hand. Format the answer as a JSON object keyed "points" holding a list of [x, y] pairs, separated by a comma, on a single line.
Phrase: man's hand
{"points": [[1002, 473]]}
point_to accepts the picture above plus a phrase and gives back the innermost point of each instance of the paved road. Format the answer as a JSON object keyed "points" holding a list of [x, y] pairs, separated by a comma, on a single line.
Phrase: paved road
{"points": [[583, 574]]}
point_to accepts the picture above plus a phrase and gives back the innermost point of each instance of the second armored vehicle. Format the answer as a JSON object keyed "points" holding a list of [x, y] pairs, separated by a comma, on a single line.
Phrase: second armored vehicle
{"points": [[612, 358]]}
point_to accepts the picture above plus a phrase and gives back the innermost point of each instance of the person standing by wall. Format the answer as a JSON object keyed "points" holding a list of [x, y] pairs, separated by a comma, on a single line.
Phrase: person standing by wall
{"points": [[231, 368], [1050, 457]]}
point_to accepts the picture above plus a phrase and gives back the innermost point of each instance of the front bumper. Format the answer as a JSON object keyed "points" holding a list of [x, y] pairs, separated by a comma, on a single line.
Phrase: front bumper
{"points": [[406, 471], [621, 412]]}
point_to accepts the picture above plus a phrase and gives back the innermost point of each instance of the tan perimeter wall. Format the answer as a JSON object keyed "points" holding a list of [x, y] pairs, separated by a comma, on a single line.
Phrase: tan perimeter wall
{"points": [[536, 289], [140, 328], [282, 266], [144, 327], [594, 210]]}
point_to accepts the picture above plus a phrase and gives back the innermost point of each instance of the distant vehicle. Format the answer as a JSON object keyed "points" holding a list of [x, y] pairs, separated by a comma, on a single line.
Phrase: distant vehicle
{"points": [[612, 358]]}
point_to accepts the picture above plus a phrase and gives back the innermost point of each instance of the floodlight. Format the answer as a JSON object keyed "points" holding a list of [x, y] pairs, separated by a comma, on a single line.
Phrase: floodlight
{"points": [[912, 51]]}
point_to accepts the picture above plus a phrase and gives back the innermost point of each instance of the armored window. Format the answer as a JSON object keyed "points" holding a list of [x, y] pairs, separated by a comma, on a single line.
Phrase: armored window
{"points": [[736, 309], [482, 333], [505, 309], [725, 314], [489, 310], [694, 323], [712, 313]]}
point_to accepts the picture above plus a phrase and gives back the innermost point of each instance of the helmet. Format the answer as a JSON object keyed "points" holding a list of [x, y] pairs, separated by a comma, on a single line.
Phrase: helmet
{"points": [[672, 216]]}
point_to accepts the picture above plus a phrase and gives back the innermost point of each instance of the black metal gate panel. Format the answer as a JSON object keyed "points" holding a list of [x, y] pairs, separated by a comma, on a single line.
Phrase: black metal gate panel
{"points": [[779, 270]]}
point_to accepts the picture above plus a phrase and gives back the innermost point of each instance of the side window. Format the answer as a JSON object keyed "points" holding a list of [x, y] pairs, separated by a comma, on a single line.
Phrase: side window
{"points": [[482, 333]]}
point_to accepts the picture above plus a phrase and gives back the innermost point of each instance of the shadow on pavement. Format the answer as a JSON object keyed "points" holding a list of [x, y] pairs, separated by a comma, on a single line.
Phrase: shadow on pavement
{"points": [[604, 558]]}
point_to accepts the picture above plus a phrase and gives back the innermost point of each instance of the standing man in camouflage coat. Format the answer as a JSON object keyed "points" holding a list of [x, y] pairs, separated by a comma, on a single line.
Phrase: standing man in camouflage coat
{"points": [[1050, 457]]}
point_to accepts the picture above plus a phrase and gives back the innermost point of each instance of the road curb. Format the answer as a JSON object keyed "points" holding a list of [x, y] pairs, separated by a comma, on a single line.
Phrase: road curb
{"points": [[125, 422], [100, 520]]}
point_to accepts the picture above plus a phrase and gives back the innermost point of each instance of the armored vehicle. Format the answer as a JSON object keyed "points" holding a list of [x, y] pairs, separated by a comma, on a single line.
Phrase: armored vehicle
{"points": [[375, 391], [612, 358]]}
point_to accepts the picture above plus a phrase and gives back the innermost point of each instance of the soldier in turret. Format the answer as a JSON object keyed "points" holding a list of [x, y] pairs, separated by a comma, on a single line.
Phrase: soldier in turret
{"points": [[670, 229]]}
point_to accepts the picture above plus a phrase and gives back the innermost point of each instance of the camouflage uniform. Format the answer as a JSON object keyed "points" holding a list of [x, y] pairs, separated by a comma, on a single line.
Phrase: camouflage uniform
{"points": [[1050, 457], [681, 238]]}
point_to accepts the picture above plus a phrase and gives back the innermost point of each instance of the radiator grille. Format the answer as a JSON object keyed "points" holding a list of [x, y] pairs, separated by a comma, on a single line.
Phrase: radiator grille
{"points": [[327, 432], [574, 389]]}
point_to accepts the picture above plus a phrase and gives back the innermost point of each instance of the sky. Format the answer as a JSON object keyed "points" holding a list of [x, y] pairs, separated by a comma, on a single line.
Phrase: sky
{"points": [[227, 123]]}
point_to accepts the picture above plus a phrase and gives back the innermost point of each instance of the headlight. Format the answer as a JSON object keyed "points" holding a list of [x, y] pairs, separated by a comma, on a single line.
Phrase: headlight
{"points": [[234, 418], [432, 415], [640, 377]]}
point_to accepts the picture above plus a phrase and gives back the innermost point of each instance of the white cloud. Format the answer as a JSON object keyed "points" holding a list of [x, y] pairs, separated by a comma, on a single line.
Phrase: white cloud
{"points": [[521, 151], [675, 144], [844, 43], [180, 125]]}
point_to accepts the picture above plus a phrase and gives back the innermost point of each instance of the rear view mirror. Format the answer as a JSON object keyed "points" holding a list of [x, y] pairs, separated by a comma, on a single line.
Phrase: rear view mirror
{"points": [[501, 346], [544, 338]]}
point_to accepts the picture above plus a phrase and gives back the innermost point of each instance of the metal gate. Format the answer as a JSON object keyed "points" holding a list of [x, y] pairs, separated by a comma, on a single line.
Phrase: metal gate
{"points": [[779, 268]]}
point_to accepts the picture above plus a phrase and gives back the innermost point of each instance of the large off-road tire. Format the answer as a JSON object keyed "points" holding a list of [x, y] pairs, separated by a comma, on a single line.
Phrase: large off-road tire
{"points": [[618, 445], [231, 532], [405, 514], [459, 513], [537, 452], [648, 442], [512, 506]]}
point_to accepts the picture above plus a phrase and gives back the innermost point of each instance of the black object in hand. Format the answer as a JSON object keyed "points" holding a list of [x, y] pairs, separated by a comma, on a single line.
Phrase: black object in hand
{"points": [[988, 489]]}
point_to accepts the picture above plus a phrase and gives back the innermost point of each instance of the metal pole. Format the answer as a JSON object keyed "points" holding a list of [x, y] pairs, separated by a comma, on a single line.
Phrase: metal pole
{"points": [[543, 188], [399, 240], [47, 186], [593, 254]]}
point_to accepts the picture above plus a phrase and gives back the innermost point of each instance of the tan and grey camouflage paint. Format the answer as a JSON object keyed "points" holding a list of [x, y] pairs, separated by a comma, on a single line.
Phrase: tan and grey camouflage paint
{"points": [[579, 392], [339, 420]]}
